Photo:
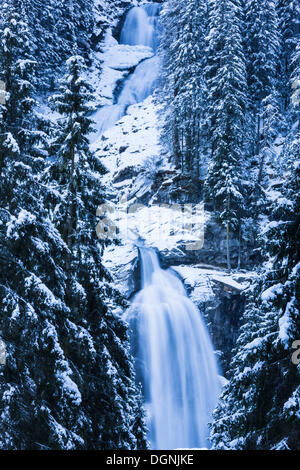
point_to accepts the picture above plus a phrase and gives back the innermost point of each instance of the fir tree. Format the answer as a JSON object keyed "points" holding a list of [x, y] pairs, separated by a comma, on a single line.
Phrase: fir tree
{"points": [[271, 119], [260, 407], [225, 114], [289, 26], [96, 337], [262, 52], [182, 52], [39, 402], [295, 86], [68, 382]]}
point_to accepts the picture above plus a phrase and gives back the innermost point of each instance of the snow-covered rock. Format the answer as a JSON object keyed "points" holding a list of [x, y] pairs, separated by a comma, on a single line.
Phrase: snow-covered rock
{"points": [[124, 57]]}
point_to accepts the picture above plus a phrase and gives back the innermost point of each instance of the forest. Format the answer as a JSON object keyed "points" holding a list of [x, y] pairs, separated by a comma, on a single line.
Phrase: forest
{"points": [[149, 224]]}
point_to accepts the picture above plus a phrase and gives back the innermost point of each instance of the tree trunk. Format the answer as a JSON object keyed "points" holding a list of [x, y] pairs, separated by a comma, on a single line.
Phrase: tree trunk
{"points": [[240, 243], [228, 247], [228, 235], [176, 147]]}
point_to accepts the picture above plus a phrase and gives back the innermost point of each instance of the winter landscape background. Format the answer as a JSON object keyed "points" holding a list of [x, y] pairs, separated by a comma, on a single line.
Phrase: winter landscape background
{"points": [[149, 224]]}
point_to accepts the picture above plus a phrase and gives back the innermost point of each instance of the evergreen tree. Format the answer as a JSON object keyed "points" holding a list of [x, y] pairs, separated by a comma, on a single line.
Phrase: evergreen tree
{"points": [[182, 51], [295, 86], [44, 43], [289, 26], [96, 337], [39, 401], [262, 53], [53, 25], [260, 407], [225, 114], [271, 119], [68, 382], [139, 426], [171, 12]]}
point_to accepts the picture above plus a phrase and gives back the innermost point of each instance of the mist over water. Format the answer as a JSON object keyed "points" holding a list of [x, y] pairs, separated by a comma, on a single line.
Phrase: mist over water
{"points": [[175, 360]]}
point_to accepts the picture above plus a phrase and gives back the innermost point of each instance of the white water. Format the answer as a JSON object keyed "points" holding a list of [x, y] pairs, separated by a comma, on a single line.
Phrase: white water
{"points": [[140, 28], [141, 83], [174, 358]]}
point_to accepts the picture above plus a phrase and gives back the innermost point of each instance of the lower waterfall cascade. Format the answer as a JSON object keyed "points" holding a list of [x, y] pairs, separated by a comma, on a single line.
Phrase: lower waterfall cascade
{"points": [[175, 360]]}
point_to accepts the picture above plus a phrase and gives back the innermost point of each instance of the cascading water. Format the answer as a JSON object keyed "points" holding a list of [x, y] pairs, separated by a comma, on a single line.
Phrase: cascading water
{"points": [[141, 83], [175, 360], [140, 28]]}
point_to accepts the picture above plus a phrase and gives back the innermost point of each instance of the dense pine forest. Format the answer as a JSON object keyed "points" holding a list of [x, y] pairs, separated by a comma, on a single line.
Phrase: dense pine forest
{"points": [[164, 104]]}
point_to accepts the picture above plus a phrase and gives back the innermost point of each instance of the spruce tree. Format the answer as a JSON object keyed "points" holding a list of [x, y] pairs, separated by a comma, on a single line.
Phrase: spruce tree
{"points": [[295, 86], [289, 26], [39, 401], [170, 15], [271, 119], [68, 382], [184, 28], [260, 406], [225, 114], [262, 42], [96, 336], [52, 24]]}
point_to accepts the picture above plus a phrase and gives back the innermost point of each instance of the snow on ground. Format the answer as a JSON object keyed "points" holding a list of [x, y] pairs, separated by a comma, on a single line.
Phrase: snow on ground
{"points": [[104, 80], [200, 280], [124, 57], [132, 140], [230, 282], [131, 152], [197, 281], [119, 260], [158, 226]]}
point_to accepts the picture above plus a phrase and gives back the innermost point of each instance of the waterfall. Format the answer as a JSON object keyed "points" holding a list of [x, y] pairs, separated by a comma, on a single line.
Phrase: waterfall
{"points": [[141, 83], [175, 360], [140, 28]]}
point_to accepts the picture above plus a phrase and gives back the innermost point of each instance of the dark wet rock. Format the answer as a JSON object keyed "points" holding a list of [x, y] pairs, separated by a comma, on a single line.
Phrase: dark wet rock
{"points": [[123, 149], [125, 174]]}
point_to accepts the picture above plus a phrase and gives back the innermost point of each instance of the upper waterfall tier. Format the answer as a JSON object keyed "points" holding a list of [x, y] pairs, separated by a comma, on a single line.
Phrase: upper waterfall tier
{"points": [[140, 29], [141, 26]]}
